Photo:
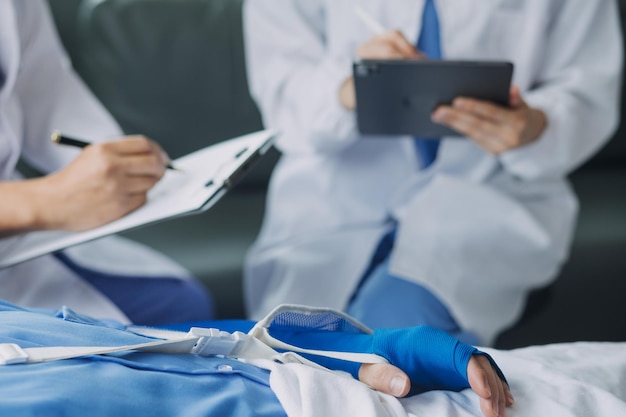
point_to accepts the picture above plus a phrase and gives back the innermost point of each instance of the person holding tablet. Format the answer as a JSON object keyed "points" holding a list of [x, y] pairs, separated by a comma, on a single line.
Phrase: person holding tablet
{"points": [[110, 278], [400, 231]]}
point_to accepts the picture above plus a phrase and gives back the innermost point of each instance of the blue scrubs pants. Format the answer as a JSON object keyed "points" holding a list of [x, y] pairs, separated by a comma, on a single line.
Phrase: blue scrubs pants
{"points": [[385, 301], [149, 300]]}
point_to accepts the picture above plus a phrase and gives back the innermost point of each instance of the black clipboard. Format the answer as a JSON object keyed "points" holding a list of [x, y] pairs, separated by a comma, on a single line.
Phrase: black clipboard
{"points": [[397, 97]]}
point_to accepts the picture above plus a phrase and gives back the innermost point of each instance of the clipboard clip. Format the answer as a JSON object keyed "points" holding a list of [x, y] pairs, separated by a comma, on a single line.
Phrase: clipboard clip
{"points": [[241, 170]]}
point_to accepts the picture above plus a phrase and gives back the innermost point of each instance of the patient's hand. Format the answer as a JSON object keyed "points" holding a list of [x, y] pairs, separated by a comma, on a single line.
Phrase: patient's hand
{"points": [[494, 393], [421, 359]]}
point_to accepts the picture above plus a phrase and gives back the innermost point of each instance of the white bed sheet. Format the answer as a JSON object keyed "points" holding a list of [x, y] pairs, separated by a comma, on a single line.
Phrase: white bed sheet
{"points": [[571, 379]]}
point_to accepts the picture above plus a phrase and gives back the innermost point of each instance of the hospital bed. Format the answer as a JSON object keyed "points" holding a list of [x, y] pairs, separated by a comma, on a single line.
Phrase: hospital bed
{"points": [[571, 379]]}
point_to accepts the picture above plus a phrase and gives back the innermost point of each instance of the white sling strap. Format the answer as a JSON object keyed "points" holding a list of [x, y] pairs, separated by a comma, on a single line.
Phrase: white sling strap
{"points": [[258, 344], [305, 314], [262, 334], [199, 341], [11, 353]]}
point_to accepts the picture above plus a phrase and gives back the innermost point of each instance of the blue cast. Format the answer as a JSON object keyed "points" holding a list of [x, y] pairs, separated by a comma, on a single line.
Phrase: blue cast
{"points": [[432, 359]]}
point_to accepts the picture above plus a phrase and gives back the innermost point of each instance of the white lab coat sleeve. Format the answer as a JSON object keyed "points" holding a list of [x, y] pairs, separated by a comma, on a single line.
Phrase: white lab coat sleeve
{"points": [[51, 95], [294, 77], [578, 89]]}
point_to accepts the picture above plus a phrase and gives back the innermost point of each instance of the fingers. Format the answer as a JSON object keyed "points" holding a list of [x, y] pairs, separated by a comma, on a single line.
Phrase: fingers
{"points": [[347, 95], [139, 184], [494, 393], [134, 201], [494, 128], [483, 109], [515, 97], [385, 378], [133, 145], [486, 133], [142, 165], [390, 45], [105, 182], [131, 156], [402, 44]]}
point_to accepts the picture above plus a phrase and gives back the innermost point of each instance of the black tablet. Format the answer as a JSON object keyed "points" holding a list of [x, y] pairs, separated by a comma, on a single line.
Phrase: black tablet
{"points": [[397, 97]]}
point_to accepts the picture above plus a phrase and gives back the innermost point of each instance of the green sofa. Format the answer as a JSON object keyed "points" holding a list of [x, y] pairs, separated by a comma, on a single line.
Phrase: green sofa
{"points": [[175, 71]]}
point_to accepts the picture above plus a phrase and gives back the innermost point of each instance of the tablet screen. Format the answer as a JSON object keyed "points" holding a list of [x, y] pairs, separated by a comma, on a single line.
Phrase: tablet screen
{"points": [[397, 97]]}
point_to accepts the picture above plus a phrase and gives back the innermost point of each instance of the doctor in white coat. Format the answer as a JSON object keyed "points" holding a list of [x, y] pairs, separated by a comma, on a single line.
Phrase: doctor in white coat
{"points": [[109, 278], [490, 219]]}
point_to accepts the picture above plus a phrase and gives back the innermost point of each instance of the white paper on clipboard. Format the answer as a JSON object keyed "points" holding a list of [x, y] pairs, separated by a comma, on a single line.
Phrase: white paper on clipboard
{"points": [[203, 178]]}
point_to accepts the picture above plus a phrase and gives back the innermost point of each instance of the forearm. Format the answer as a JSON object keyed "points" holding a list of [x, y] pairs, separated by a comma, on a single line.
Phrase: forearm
{"points": [[21, 208]]}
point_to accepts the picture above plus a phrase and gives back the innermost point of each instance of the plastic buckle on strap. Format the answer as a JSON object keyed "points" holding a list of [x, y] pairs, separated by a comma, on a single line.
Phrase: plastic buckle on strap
{"points": [[214, 342], [11, 354]]}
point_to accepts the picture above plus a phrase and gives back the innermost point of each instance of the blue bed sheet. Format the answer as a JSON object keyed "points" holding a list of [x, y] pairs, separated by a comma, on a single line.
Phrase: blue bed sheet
{"points": [[130, 384]]}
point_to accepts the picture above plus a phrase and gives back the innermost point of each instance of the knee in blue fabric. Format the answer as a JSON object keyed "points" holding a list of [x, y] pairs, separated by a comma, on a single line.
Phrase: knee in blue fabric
{"points": [[384, 300]]}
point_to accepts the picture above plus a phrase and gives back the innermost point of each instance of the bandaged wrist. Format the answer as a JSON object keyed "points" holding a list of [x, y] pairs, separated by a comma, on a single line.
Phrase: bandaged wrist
{"points": [[431, 358]]}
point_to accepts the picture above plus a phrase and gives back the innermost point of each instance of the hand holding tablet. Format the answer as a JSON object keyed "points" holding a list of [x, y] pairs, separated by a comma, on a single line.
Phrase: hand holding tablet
{"points": [[398, 97], [398, 89]]}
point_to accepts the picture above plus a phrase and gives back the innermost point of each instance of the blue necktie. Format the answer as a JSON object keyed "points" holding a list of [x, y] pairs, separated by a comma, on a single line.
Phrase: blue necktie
{"points": [[429, 44]]}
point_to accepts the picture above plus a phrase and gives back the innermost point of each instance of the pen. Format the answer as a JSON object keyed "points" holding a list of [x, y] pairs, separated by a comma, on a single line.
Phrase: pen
{"points": [[60, 139], [369, 21]]}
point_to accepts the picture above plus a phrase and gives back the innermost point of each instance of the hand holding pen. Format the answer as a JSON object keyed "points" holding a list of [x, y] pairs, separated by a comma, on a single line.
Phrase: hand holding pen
{"points": [[384, 44], [60, 139], [105, 182]]}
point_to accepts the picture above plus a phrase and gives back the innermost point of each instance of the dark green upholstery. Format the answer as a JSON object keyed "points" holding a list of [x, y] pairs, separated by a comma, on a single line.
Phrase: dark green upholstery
{"points": [[171, 69], [175, 70]]}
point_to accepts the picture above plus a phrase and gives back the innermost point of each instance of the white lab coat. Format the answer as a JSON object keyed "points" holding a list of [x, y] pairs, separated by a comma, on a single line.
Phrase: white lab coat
{"points": [[39, 93], [478, 230]]}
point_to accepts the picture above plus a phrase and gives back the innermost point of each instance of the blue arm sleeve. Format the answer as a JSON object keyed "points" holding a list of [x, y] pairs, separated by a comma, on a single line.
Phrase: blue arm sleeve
{"points": [[432, 359]]}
